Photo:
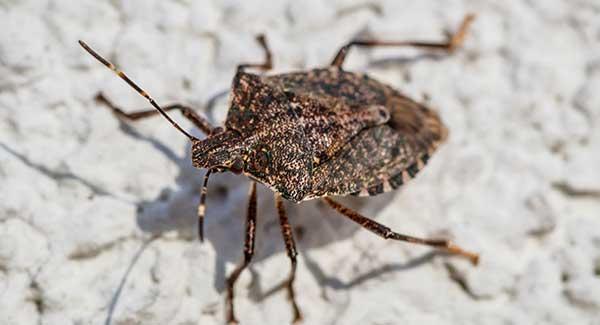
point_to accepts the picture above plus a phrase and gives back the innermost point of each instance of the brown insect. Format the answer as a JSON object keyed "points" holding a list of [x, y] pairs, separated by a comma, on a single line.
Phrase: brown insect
{"points": [[313, 134]]}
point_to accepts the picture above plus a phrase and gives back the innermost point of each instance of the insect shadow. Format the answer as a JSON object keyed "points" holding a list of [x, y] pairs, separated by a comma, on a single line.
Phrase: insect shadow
{"points": [[315, 224]]}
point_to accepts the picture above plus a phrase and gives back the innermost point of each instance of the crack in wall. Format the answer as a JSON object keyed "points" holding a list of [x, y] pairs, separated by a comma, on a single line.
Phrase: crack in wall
{"points": [[58, 176], [573, 192], [86, 252], [578, 302], [36, 297], [375, 8]]}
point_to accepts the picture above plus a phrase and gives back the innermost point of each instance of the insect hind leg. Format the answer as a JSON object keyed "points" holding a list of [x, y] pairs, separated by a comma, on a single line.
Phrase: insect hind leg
{"points": [[387, 233], [454, 42], [265, 66], [187, 112]]}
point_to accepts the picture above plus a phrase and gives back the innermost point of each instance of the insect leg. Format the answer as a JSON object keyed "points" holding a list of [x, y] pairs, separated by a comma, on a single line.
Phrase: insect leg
{"points": [[290, 245], [137, 88], [202, 206], [187, 112], [387, 233], [268, 64], [248, 252], [450, 45]]}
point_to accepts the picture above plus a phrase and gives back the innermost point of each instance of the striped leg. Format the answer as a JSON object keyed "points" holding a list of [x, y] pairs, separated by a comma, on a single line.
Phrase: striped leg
{"points": [[387, 233], [450, 45], [248, 252], [290, 245], [202, 206]]}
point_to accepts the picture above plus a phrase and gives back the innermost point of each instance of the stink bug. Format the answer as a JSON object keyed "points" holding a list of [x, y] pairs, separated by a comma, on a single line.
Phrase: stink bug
{"points": [[312, 134]]}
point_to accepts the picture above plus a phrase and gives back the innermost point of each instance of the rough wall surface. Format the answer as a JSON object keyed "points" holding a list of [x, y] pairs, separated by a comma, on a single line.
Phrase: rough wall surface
{"points": [[97, 217]]}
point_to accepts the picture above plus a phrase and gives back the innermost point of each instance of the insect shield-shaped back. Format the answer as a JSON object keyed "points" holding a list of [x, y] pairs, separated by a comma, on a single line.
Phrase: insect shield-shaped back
{"points": [[275, 150]]}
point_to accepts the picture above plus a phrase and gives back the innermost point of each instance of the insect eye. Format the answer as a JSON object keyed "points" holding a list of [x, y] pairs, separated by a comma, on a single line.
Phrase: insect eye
{"points": [[262, 158], [237, 166]]}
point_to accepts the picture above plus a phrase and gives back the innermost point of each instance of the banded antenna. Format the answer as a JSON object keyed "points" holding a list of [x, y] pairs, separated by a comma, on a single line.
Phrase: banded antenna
{"points": [[137, 88]]}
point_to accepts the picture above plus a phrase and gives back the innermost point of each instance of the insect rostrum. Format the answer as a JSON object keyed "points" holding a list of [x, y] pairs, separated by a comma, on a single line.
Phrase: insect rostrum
{"points": [[312, 135]]}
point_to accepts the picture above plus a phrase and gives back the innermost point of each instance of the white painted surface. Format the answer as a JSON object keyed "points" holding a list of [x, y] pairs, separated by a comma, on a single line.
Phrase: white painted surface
{"points": [[80, 194]]}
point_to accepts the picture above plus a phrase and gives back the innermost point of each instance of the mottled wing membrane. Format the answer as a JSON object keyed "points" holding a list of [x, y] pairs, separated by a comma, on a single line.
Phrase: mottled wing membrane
{"points": [[332, 106], [363, 162], [382, 158], [420, 125]]}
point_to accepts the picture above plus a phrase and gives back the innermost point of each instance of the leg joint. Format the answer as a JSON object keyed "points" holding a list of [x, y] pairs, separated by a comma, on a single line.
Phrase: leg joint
{"points": [[247, 258]]}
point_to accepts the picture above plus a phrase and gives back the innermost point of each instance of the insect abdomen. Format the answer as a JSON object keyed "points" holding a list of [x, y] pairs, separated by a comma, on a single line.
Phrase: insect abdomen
{"points": [[395, 181]]}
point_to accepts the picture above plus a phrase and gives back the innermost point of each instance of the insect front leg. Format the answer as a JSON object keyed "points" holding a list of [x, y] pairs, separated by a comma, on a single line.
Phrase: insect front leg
{"points": [[199, 121], [268, 64], [248, 253], [202, 205], [387, 233], [290, 245], [454, 42]]}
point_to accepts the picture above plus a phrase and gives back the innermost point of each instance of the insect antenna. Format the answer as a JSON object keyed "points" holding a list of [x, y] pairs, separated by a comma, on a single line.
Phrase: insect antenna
{"points": [[137, 88]]}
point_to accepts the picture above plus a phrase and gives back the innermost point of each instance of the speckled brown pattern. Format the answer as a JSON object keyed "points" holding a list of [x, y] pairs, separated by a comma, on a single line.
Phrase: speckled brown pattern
{"points": [[322, 132], [315, 133]]}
